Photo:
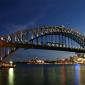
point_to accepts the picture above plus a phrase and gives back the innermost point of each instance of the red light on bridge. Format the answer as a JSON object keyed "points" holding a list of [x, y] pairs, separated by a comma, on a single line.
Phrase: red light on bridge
{"points": [[2, 43]]}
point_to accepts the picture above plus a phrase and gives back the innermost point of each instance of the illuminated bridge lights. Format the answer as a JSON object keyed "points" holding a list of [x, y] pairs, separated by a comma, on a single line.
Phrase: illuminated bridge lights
{"points": [[46, 37]]}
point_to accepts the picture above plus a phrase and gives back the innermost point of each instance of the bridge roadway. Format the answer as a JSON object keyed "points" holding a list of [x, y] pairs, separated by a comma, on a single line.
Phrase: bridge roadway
{"points": [[34, 46]]}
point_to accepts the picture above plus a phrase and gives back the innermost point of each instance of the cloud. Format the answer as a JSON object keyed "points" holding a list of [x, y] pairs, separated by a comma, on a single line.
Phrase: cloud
{"points": [[11, 28]]}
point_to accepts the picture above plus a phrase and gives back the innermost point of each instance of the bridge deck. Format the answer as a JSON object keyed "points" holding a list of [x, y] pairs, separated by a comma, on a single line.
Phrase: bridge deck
{"points": [[33, 46]]}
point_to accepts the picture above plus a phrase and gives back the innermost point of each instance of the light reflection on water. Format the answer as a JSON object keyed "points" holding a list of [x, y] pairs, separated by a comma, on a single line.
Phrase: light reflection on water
{"points": [[63, 79], [77, 74], [11, 76], [43, 75]]}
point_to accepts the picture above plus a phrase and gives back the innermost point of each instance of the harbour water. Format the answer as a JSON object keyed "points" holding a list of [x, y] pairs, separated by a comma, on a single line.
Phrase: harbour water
{"points": [[47, 74]]}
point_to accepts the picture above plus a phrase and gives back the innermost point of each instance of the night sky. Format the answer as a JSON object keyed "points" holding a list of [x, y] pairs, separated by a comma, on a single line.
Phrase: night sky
{"points": [[22, 14]]}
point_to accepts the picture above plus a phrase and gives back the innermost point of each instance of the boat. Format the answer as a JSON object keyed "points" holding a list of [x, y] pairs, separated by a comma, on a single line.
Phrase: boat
{"points": [[7, 65]]}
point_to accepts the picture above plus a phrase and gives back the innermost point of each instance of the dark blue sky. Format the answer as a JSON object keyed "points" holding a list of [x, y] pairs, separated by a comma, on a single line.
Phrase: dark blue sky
{"points": [[21, 14]]}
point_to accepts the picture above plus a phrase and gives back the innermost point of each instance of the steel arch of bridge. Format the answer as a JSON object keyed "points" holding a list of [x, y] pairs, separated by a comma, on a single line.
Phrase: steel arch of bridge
{"points": [[20, 36], [31, 34], [31, 38]]}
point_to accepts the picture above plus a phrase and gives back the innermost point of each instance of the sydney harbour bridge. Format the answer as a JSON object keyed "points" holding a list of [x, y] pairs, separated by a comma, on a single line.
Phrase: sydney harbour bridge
{"points": [[45, 37]]}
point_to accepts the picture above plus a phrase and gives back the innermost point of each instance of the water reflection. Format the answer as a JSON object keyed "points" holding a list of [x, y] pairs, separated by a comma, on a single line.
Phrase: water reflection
{"points": [[43, 75], [62, 75], [82, 75], [77, 74], [11, 76], [50, 75], [0, 78]]}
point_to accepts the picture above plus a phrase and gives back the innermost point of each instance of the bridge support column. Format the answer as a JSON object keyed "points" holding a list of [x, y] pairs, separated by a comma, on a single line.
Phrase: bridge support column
{"points": [[65, 41], [59, 40], [37, 41], [68, 43], [46, 39], [42, 40], [56, 39], [32, 42], [62, 40]]}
